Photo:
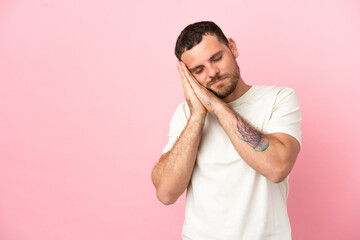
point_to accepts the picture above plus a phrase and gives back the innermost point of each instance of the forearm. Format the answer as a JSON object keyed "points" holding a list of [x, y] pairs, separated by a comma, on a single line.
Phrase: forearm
{"points": [[264, 153], [172, 173]]}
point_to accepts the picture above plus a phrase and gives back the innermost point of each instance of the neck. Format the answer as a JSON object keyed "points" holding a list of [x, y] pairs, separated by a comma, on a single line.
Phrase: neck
{"points": [[241, 89]]}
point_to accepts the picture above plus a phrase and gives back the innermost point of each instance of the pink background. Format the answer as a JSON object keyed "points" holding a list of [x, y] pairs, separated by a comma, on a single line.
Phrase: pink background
{"points": [[87, 89]]}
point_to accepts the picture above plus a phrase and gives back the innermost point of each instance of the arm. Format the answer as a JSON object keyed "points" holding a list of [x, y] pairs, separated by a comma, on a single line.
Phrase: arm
{"points": [[172, 174], [271, 155]]}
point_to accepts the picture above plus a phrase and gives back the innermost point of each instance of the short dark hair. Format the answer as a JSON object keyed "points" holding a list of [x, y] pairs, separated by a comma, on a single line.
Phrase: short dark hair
{"points": [[193, 33]]}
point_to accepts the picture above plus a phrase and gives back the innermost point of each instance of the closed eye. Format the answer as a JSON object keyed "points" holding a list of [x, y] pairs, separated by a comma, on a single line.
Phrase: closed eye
{"points": [[198, 71], [218, 58]]}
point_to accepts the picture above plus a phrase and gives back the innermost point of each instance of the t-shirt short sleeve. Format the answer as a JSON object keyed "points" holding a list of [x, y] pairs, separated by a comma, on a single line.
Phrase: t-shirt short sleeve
{"points": [[286, 114], [177, 125]]}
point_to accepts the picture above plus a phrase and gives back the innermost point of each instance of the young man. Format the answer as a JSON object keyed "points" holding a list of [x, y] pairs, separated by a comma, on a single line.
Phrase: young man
{"points": [[231, 145]]}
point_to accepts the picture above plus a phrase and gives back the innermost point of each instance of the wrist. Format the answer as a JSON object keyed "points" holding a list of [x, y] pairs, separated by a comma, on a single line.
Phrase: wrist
{"points": [[198, 117], [219, 107]]}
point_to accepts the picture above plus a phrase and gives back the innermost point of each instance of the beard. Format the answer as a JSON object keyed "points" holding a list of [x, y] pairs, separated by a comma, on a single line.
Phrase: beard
{"points": [[226, 88]]}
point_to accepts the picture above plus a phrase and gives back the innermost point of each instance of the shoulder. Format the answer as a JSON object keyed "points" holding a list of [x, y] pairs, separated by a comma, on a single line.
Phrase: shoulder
{"points": [[181, 114], [183, 109], [272, 89], [284, 91], [285, 116], [275, 93], [286, 95]]}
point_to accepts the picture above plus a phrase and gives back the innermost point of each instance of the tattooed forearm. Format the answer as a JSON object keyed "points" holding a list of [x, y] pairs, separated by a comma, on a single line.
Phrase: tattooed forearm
{"points": [[258, 141], [205, 101]]}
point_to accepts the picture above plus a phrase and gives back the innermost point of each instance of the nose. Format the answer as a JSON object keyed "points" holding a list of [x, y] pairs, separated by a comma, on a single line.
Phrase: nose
{"points": [[213, 70]]}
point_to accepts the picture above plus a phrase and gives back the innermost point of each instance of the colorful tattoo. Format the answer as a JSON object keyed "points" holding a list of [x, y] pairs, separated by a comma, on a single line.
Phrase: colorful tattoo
{"points": [[258, 141]]}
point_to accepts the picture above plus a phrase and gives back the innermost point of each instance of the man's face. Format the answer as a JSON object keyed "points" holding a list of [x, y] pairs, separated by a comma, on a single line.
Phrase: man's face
{"points": [[213, 65]]}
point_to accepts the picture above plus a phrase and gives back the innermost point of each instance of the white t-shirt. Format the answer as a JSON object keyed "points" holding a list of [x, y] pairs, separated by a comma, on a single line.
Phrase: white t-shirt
{"points": [[226, 198]]}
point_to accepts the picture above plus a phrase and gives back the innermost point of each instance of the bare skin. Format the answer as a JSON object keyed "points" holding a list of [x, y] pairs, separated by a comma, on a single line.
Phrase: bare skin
{"points": [[272, 155], [172, 174]]}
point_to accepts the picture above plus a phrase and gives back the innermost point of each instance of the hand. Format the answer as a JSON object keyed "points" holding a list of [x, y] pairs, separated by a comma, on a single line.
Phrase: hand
{"points": [[196, 107], [207, 98]]}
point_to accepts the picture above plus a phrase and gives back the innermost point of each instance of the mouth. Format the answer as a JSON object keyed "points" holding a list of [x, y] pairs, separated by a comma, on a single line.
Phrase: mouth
{"points": [[219, 81]]}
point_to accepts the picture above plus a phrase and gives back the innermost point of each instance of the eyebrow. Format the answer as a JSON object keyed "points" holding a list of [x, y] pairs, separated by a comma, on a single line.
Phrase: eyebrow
{"points": [[211, 59]]}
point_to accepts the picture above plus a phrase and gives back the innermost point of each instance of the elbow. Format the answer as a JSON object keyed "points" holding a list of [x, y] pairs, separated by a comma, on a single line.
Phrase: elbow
{"points": [[279, 174], [281, 167], [277, 178], [164, 195], [165, 198], [282, 161]]}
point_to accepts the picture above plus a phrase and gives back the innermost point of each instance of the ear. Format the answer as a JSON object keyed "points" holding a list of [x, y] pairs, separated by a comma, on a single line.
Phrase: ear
{"points": [[233, 48]]}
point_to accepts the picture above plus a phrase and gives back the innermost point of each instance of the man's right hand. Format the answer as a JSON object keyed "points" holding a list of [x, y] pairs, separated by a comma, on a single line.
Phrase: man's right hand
{"points": [[195, 105]]}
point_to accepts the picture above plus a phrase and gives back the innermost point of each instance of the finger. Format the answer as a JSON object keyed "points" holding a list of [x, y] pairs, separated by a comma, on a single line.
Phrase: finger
{"points": [[186, 85], [191, 79], [189, 75], [182, 75]]}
